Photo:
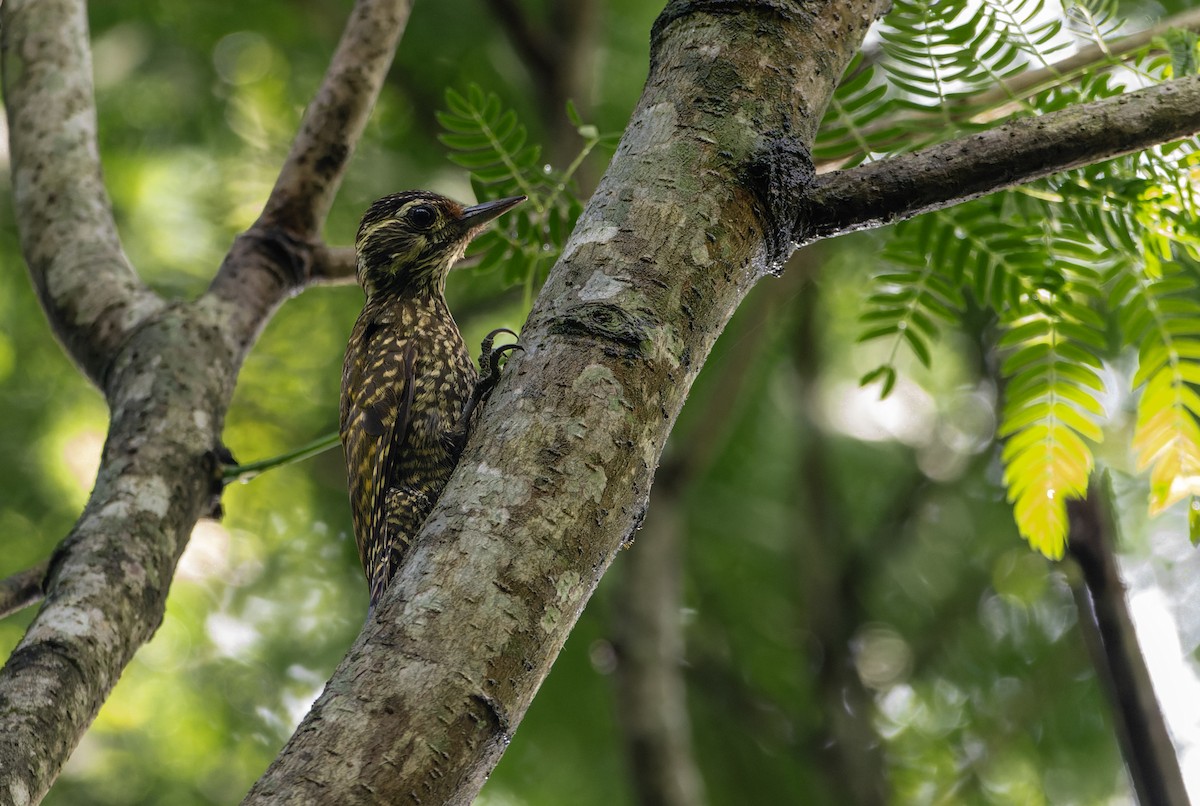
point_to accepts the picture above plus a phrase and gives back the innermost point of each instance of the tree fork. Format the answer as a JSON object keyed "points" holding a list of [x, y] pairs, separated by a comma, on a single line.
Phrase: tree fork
{"points": [[686, 220], [167, 370]]}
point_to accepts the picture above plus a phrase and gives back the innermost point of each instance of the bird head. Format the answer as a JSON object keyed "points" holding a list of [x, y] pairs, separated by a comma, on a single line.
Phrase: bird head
{"points": [[408, 241]]}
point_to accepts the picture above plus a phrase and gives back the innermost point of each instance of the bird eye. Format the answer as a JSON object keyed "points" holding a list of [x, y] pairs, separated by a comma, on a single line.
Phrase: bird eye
{"points": [[422, 216]]}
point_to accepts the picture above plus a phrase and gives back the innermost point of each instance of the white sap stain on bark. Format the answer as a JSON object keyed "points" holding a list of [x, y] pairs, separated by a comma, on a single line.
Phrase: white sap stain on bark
{"points": [[592, 235], [600, 286], [18, 793], [64, 619], [139, 494]]}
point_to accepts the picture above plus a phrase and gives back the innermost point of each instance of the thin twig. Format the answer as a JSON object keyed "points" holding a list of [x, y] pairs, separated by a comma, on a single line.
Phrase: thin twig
{"points": [[251, 470], [1027, 83], [1032, 81]]}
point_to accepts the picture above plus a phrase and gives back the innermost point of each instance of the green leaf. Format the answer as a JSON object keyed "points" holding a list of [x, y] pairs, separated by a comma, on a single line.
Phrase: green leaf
{"points": [[885, 374]]}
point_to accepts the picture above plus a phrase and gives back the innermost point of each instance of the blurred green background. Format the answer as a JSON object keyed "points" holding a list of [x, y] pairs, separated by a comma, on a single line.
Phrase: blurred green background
{"points": [[855, 595]]}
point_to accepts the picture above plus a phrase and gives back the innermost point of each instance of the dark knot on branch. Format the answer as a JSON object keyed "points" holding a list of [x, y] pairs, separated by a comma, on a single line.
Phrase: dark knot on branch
{"points": [[779, 175]]}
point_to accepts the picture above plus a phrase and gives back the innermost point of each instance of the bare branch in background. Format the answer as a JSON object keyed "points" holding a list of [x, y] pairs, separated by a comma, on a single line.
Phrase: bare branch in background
{"points": [[830, 579], [648, 638], [1108, 631], [647, 622], [1026, 149], [1028, 82], [559, 56], [532, 45]]}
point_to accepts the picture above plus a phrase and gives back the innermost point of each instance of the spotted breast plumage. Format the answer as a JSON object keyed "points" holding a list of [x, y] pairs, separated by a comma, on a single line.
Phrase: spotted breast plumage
{"points": [[409, 386]]}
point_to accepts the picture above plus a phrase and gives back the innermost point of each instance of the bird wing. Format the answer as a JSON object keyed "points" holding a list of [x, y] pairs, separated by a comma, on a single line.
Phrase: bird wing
{"points": [[376, 404]]}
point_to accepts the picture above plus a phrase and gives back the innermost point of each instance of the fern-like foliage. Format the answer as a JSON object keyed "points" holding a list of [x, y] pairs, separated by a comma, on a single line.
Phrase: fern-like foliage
{"points": [[924, 40], [489, 141], [1162, 316], [1050, 408], [1072, 267], [1094, 20], [916, 297], [849, 132]]}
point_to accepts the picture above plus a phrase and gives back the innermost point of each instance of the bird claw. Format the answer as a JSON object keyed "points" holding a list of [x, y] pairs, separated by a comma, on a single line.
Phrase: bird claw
{"points": [[489, 363], [488, 358], [489, 366]]}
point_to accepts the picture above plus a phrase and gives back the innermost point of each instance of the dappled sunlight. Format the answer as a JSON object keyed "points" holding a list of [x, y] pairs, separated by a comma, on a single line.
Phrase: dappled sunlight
{"points": [[231, 637], [882, 658], [906, 415], [1176, 677], [71, 455], [119, 52], [207, 553]]}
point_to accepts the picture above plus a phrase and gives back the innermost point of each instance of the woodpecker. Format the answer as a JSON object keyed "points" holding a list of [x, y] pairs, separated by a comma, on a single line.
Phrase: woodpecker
{"points": [[409, 387]]}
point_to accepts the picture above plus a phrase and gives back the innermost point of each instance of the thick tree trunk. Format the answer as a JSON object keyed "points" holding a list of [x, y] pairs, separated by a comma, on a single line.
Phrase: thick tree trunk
{"points": [[697, 205]]}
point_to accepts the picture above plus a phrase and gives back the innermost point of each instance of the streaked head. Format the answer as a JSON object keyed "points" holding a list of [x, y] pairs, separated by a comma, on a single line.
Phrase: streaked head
{"points": [[408, 241]]}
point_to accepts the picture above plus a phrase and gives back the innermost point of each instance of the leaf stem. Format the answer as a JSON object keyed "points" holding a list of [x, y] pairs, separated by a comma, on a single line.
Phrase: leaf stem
{"points": [[561, 185], [513, 169], [244, 473]]}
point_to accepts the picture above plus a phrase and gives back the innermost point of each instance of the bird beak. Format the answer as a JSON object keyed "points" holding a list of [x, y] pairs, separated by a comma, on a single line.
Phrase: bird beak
{"points": [[475, 218]]}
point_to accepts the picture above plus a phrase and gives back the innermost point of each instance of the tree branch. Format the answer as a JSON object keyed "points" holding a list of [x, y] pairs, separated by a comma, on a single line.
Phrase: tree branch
{"points": [[23, 589], [168, 371], [1108, 631], [281, 254], [90, 292], [1026, 149], [557, 473]]}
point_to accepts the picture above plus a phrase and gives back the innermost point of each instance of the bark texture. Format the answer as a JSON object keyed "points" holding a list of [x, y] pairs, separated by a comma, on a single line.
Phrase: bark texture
{"points": [[167, 369], [697, 205]]}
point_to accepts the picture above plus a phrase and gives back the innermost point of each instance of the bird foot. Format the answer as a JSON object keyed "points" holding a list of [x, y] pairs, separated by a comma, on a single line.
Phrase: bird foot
{"points": [[489, 359], [489, 366]]}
